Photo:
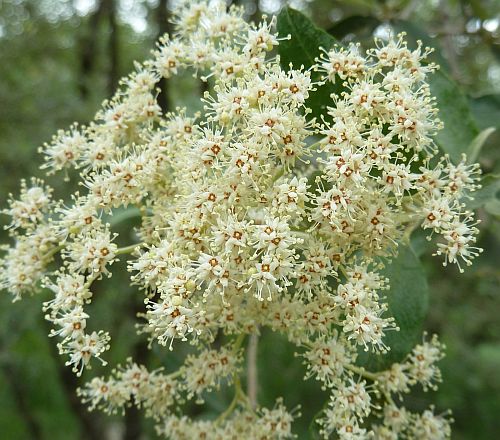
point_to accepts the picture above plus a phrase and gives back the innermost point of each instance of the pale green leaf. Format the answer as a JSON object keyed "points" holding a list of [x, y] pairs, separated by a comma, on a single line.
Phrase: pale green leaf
{"points": [[478, 143]]}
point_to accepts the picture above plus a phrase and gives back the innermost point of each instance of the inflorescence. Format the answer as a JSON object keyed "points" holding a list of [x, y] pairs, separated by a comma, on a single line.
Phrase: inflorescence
{"points": [[254, 215]]}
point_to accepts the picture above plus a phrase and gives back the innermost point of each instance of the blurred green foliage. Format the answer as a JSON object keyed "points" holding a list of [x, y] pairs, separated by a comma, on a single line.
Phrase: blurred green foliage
{"points": [[58, 62]]}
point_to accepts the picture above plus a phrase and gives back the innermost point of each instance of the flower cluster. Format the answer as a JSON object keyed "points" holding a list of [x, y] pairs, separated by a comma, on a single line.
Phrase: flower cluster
{"points": [[259, 424], [352, 401], [254, 214]]}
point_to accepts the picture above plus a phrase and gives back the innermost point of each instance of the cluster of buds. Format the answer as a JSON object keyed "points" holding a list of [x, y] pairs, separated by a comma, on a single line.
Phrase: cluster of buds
{"points": [[253, 215]]}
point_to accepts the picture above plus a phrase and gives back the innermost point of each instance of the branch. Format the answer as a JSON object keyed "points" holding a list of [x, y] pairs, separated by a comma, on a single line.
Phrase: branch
{"points": [[252, 370], [128, 249]]}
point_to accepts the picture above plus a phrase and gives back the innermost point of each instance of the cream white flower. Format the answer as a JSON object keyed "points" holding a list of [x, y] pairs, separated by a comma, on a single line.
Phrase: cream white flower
{"points": [[253, 215]]}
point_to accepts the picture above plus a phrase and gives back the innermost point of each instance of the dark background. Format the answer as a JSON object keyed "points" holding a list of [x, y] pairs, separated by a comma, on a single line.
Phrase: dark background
{"points": [[60, 59]]}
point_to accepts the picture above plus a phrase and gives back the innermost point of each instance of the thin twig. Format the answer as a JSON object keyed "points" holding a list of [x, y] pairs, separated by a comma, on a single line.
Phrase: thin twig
{"points": [[128, 249]]}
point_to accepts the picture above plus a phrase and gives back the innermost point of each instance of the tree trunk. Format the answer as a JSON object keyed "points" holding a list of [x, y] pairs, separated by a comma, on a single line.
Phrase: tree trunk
{"points": [[88, 44], [163, 27], [113, 49]]}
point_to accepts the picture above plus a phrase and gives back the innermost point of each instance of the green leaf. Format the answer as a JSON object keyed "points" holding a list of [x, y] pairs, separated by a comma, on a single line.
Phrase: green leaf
{"points": [[419, 242], [486, 110], [305, 39], [302, 49], [490, 186], [459, 127], [123, 214], [478, 143], [493, 207], [407, 299]]}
